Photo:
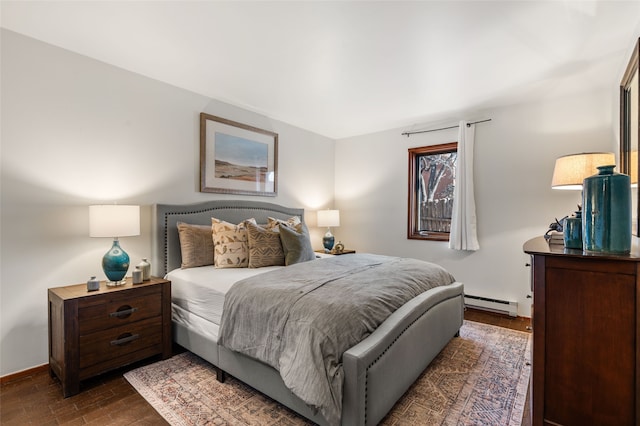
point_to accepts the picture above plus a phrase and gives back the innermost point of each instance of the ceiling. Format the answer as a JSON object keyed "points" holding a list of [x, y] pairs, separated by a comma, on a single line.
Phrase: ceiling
{"points": [[347, 68]]}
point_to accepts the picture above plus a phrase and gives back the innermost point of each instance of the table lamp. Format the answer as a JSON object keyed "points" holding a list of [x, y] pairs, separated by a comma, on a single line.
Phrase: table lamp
{"points": [[569, 173], [114, 221], [328, 218], [570, 170]]}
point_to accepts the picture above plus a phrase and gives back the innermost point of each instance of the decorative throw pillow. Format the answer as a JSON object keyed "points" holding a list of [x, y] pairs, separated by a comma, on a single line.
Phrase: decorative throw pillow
{"points": [[296, 244], [292, 222], [265, 248], [230, 244], [196, 245]]}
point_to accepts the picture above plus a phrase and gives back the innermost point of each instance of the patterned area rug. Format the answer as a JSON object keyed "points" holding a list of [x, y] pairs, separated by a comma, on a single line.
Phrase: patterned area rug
{"points": [[479, 378]]}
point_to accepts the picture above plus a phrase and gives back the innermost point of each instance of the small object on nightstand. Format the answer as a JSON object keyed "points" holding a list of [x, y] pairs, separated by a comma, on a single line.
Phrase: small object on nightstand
{"points": [[145, 266], [335, 253], [137, 276], [344, 251], [339, 248], [93, 284]]}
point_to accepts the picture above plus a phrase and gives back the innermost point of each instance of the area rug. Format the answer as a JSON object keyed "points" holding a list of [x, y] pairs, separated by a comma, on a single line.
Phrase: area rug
{"points": [[479, 378]]}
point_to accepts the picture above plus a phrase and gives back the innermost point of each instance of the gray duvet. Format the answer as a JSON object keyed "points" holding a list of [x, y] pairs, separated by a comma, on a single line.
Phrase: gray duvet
{"points": [[302, 318]]}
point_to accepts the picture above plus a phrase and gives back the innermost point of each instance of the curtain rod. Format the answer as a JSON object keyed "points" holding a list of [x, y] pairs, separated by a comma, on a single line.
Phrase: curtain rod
{"points": [[407, 134]]}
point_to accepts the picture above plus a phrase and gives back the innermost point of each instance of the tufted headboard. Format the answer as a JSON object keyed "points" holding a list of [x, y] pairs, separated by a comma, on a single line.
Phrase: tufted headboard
{"points": [[165, 240]]}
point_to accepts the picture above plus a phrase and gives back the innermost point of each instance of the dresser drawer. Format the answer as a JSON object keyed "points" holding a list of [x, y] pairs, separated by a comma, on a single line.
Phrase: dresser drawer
{"points": [[116, 342], [118, 309]]}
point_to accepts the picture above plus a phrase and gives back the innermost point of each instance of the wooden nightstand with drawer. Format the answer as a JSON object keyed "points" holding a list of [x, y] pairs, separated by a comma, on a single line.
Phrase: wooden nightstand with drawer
{"points": [[93, 332]]}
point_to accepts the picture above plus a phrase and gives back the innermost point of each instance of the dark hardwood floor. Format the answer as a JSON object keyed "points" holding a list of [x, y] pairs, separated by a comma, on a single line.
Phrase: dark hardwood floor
{"points": [[36, 399], [519, 323]]}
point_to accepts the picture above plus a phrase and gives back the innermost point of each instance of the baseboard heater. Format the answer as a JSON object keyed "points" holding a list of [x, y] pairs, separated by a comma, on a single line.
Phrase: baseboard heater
{"points": [[493, 305]]}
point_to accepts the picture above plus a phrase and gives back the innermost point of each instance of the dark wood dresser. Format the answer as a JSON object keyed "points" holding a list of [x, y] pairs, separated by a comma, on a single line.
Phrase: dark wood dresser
{"points": [[94, 332], [586, 336]]}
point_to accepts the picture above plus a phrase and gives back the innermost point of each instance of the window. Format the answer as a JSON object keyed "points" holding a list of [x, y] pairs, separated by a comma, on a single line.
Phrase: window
{"points": [[432, 171]]}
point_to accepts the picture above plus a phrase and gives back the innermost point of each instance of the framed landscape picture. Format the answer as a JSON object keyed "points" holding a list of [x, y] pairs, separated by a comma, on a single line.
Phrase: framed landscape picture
{"points": [[236, 158]]}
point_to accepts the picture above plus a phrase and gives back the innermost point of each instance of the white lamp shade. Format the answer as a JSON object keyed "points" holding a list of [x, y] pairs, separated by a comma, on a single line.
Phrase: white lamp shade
{"points": [[114, 221], [328, 218], [570, 170]]}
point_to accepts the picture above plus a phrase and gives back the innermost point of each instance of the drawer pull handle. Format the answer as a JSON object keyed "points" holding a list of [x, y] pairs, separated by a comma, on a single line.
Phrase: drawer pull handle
{"points": [[123, 312], [124, 339]]}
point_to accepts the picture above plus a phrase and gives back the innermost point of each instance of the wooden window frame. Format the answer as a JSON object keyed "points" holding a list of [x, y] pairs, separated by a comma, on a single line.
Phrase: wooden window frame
{"points": [[413, 231]]}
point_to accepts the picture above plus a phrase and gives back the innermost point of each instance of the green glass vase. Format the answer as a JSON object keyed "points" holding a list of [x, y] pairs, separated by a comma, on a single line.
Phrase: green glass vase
{"points": [[573, 231], [606, 212]]}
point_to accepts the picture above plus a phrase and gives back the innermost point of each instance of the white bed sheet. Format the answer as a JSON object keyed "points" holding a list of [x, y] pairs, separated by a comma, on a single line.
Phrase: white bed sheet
{"points": [[201, 291], [194, 323]]}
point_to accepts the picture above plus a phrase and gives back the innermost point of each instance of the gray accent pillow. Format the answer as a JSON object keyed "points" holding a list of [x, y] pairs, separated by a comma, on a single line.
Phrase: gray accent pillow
{"points": [[296, 244]]}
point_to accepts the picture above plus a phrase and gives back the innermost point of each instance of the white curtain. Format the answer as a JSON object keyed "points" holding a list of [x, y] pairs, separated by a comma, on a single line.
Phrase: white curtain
{"points": [[463, 235]]}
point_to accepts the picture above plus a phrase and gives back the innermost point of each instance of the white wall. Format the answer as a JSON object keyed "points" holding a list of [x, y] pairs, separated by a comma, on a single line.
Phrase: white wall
{"points": [[76, 132], [514, 159]]}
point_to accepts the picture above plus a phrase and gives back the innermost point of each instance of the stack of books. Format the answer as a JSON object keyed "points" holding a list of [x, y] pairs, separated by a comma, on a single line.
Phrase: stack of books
{"points": [[555, 237]]}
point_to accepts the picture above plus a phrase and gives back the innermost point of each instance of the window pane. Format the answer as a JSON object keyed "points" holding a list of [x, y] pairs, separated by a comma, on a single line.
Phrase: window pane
{"points": [[436, 182], [431, 182]]}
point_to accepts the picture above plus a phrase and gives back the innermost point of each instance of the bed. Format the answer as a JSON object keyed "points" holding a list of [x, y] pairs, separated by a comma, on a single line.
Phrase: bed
{"points": [[377, 371]]}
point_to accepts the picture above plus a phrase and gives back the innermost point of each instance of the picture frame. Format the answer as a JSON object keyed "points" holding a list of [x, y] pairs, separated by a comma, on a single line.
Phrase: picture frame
{"points": [[236, 158]]}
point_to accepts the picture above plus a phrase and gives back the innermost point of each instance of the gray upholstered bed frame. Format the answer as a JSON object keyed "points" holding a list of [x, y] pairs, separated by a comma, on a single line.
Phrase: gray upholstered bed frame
{"points": [[377, 371]]}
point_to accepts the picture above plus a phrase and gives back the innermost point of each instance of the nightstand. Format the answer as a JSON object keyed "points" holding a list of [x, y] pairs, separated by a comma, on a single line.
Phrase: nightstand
{"points": [[94, 332], [334, 253]]}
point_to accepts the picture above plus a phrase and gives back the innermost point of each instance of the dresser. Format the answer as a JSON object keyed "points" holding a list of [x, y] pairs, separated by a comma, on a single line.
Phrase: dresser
{"points": [[586, 336], [94, 332]]}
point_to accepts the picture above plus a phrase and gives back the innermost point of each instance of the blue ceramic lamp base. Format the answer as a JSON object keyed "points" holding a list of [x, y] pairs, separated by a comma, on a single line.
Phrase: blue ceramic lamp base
{"points": [[115, 264], [327, 241]]}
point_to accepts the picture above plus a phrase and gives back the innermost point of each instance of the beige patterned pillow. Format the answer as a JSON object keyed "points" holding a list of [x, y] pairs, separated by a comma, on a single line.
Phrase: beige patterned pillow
{"points": [[292, 222], [230, 244], [196, 245], [265, 248]]}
